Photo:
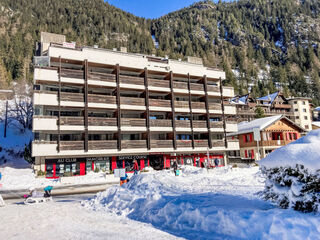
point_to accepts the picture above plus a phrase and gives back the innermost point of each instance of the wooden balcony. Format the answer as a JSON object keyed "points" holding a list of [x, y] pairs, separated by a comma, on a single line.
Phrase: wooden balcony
{"points": [[160, 103], [161, 144], [184, 143], [129, 144], [198, 105], [97, 121], [218, 143], [131, 80], [269, 143], [106, 77], [181, 104], [72, 73], [183, 124], [199, 124], [282, 106], [196, 87], [72, 97], [158, 83], [132, 101], [97, 98], [180, 85], [216, 124], [160, 123], [213, 89], [215, 106], [93, 145], [201, 143], [72, 121], [133, 122]]}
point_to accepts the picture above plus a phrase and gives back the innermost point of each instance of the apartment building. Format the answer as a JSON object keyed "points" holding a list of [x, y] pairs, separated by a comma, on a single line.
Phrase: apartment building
{"points": [[102, 109], [296, 109]]}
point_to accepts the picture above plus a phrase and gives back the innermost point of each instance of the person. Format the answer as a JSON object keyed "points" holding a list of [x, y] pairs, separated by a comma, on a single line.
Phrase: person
{"points": [[135, 167], [124, 179], [216, 162], [34, 193], [47, 191], [175, 167]]}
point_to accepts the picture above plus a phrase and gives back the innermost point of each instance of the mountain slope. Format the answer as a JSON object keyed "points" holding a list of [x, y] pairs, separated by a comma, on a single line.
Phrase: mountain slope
{"points": [[270, 44]]}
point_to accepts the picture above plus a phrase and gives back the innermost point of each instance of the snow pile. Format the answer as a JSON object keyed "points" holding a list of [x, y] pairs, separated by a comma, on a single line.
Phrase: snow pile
{"points": [[193, 206], [293, 179], [304, 151]]}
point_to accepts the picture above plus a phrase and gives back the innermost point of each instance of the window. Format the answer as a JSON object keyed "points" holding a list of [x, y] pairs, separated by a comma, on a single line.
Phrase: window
{"points": [[296, 109], [303, 103], [305, 118], [295, 102], [297, 117], [306, 126], [304, 110]]}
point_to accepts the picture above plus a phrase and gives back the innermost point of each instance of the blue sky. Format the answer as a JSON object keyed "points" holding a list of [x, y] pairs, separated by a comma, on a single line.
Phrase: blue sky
{"points": [[151, 8]]}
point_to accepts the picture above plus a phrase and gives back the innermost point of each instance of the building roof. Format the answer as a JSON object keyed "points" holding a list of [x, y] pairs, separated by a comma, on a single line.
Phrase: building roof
{"points": [[271, 97], [242, 100], [317, 108], [317, 124], [261, 123]]}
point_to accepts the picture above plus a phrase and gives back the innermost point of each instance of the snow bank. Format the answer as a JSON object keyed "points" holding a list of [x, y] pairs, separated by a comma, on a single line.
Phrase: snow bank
{"points": [[293, 174], [195, 207], [304, 151]]}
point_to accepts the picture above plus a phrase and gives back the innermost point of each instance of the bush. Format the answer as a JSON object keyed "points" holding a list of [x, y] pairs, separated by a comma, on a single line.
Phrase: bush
{"points": [[96, 170], [293, 188]]}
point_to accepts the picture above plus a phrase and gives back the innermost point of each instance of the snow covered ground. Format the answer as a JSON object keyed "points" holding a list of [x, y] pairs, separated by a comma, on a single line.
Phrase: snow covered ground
{"points": [[221, 204]]}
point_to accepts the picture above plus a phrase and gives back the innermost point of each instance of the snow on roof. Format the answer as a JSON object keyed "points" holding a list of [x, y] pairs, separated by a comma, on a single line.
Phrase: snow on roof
{"points": [[261, 123], [240, 99], [316, 124], [317, 108], [304, 151], [271, 97]]}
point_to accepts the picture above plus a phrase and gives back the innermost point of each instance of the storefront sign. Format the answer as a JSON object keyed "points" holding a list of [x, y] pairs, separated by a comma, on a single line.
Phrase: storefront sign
{"points": [[132, 157], [66, 160], [98, 159]]}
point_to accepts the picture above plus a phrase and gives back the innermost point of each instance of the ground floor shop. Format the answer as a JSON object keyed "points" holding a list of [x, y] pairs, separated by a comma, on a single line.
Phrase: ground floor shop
{"points": [[63, 167]]}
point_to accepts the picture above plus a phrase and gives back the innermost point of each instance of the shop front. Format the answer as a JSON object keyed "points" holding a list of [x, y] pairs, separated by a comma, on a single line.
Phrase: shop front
{"points": [[66, 167], [127, 162]]}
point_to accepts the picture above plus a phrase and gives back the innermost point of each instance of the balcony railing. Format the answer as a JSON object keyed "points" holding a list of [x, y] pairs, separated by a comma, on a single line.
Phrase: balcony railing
{"points": [[132, 101], [184, 143], [158, 83], [160, 103], [183, 123], [161, 143], [201, 143], [218, 143], [133, 122], [160, 123], [131, 80], [129, 144], [181, 104], [93, 145], [199, 124]]}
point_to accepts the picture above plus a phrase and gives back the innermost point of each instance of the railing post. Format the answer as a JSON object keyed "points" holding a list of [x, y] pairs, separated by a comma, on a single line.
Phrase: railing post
{"points": [[205, 87], [173, 112], [146, 84], [59, 104], [223, 115], [118, 106], [86, 122], [191, 114]]}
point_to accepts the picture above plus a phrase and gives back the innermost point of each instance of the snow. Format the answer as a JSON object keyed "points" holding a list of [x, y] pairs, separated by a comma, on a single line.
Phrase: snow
{"points": [[219, 204], [261, 123], [304, 151], [317, 124]]}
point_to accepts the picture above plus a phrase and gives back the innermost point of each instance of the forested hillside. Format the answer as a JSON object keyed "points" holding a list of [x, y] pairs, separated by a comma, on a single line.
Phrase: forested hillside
{"points": [[269, 44]]}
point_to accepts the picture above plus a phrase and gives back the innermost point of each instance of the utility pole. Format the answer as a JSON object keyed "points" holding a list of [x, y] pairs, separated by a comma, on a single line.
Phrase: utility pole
{"points": [[6, 121]]}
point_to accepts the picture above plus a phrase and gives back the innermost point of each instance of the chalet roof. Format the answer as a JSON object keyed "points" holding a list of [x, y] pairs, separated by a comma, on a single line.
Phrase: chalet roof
{"points": [[317, 108], [242, 100], [270, 98], [317, 124], [261, 123]]}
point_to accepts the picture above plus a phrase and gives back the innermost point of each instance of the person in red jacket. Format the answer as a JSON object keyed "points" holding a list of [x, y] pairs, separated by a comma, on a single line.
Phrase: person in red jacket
{"points": [[135, 167]]}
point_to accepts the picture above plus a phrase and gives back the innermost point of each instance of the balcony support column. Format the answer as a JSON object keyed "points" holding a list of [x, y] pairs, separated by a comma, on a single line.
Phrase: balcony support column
{"points": [[223, 115], [173, 112], [146, 84], [205, 87], [191, 114], [59, 104], [86, 100], [118, 107]]}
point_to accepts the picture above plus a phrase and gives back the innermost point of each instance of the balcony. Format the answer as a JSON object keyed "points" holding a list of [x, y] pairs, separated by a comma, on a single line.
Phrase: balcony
{"points": [[160, 105], [160, 123], [183, 124], [184, 143], [161, 144], [93, 145], [218, 143], [132, 144], [201, 143]]}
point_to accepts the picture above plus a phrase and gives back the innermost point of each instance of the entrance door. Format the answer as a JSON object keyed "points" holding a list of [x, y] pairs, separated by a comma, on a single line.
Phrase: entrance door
{"points": [[82, 168]]}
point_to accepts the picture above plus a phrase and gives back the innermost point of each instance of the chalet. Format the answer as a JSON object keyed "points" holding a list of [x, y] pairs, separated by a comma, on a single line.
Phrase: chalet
{"points": [[275, 131]]}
